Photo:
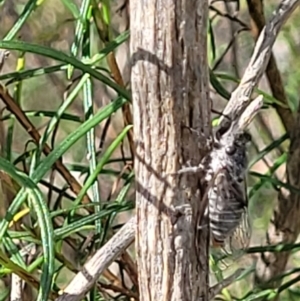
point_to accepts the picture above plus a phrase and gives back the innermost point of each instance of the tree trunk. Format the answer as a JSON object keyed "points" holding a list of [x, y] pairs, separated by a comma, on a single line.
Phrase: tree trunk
{"points": [[169, 83]]}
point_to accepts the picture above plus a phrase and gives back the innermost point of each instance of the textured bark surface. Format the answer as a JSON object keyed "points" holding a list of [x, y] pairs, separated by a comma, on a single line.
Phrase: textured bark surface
{"points": [[170, 93]]}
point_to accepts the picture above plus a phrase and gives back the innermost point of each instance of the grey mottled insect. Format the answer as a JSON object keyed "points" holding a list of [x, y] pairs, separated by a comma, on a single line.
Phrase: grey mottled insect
{"points": [[227, 195], [227, 203]]}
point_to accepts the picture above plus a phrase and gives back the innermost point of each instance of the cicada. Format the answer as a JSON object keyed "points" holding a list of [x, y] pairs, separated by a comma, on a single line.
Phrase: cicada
{"points": [[227, 207], [225, 166], [227, 202]]}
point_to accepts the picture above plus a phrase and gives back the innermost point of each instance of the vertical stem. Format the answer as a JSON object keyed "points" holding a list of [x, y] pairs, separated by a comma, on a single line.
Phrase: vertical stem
{"points": [[170, 92]]}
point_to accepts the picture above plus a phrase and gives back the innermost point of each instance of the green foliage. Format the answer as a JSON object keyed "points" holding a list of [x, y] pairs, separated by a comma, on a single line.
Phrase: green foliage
{"points": [[46, 218]]}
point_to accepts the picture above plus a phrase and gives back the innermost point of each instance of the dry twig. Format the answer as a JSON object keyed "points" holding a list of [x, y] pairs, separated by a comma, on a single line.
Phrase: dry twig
{"points": [[91, 271], [273, 76], [13, 107], [3, 55], [228, 16], [240, 98], [217, 288]]}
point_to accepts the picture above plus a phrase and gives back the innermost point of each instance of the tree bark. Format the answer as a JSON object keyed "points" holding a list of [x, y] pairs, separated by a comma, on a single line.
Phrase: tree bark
{"points": [[169, 83]]}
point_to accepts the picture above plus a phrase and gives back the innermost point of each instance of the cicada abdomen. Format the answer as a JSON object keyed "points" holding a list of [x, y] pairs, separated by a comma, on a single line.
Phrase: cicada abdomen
{"points": [[227, 196]]}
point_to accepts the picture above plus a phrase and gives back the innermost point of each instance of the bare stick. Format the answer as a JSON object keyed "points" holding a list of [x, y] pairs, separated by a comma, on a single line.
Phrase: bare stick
{"points": [[91, 271], [217, 288], [240, 98], [16, 288], [250, 112], [3, 55]]}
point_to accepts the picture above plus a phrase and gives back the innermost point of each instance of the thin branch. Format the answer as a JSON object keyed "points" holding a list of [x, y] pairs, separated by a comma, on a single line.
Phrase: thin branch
{"points": [[240, 98], [119, 289], [250, 112], [3, 55], [16, 288], [130, 268], [103, 33], [127, 116], [230, 9], [256, 12], [217, 288], [14, 108], [91, 271], [228, 16], [230, 44]]}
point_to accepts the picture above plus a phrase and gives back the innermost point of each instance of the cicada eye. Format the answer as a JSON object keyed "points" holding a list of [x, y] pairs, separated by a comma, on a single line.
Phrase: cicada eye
{"points": [[221, 130], [216, 140], [230, 150], [243, 138], [218, 135], [247, 137]]}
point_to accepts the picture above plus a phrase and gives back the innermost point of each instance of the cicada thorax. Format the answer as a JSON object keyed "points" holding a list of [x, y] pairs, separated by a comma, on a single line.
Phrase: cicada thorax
{"points": [[227, 197]]}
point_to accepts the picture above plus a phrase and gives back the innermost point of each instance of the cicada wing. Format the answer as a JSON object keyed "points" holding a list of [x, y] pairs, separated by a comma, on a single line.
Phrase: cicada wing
{"points": [[217, 209], [239, 240], [232, 220], [226, 203]]}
